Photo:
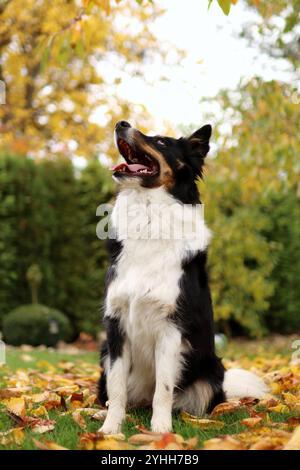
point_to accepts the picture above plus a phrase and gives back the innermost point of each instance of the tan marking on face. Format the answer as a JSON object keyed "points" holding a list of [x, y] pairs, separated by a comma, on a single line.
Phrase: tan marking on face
{"points": [[166, 176]]}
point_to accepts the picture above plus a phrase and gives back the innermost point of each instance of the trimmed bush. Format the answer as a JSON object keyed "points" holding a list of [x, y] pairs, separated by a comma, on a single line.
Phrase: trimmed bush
{"points": [[36, 324]]}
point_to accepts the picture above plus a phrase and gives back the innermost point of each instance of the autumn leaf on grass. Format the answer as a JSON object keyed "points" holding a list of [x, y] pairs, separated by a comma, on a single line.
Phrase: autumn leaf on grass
{"points": [[41, 425], [12, 392], [67, 390], [269, 403], [140, 439], [42, 364], [226, 407], [279, 408], [294, 441], [79, 419], [13, 436], [201, 423], [293, 421], [251, 422], [267, 443], [97, 441], [224, 443], [16, 406], [248, 401], [90, 400], [169, 441], [38, 412], [279, 437], [48, 445], [112, 444], [292, 400]]}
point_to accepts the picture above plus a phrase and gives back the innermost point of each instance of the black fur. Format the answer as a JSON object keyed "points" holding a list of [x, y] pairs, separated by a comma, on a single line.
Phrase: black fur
{"points": [[194, 317], [194, 313], [115, 337]]}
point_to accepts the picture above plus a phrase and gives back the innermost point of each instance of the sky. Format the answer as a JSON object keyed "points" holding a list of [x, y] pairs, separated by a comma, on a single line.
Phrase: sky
{"points": [[216, 58]]}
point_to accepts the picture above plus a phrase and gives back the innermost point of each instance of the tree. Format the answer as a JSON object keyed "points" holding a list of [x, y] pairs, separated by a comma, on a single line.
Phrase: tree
{"points": [[53, 57], [252, 188], [275, 31]]}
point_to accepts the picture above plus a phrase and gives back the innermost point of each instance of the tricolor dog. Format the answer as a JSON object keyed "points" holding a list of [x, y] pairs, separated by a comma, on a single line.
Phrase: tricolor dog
{"points": [[158, 311]]}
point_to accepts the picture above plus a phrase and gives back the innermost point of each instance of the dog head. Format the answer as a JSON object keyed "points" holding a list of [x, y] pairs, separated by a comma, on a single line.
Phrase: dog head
{"points": [[154, 161]]}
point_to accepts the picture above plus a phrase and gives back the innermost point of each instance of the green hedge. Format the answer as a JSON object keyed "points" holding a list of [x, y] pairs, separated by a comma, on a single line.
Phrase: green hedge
{"points": [[36, 324], [48, 218]]}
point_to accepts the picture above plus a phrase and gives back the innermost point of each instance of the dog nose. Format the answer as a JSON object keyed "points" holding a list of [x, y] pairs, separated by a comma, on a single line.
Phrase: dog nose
{"points": [[122, 125]]}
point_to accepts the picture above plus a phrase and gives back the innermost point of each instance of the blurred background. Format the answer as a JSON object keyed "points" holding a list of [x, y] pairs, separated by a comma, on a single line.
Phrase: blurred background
{"points": [[69, 70]]}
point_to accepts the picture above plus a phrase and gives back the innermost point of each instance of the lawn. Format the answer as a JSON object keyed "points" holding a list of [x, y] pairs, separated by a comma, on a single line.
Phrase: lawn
{"points": [[48, 401]]}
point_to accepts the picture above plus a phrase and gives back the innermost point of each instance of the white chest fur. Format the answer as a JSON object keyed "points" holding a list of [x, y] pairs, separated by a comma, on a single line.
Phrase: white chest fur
{"points": [[157, 234]]}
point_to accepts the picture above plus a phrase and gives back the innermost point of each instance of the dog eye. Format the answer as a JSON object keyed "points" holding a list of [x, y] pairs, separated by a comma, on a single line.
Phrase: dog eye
{"points": [[160, 142]]}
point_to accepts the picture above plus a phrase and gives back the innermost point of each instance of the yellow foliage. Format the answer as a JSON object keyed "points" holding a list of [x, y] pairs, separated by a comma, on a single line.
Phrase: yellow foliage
{"points": [[53, 56]]}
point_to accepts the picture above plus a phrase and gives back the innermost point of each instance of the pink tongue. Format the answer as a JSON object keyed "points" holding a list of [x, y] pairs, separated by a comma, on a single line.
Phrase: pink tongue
{"points": [[134, 167]]}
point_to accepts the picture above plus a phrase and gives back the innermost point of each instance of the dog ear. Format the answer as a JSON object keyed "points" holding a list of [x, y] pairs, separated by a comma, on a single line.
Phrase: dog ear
{"points": [[199, 140]]}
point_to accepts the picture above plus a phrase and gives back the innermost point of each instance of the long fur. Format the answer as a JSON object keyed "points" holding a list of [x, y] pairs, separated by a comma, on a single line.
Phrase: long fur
{"points": [[158, 309]]}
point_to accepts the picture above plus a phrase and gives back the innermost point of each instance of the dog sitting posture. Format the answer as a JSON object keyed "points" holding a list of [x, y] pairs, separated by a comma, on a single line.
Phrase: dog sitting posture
{"points": [[158, 310]]}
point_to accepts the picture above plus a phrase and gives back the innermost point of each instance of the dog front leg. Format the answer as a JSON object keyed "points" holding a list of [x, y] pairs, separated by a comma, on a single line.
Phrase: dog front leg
{"points": [[167, 368], [117, 370]]}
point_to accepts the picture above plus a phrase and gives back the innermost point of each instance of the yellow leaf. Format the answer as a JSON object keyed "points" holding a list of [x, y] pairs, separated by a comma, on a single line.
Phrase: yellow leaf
{"points": [[251, 422], [279, 408], [201, 422], [16, 406], [48, 445], [294, 442], [224, 443], [227, 407], [139, 439], [40, 411], [13, 436], [79, 419]]}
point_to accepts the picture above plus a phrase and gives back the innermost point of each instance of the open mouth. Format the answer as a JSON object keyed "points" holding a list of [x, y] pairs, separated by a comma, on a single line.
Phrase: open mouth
{"points": [[137, 163]]}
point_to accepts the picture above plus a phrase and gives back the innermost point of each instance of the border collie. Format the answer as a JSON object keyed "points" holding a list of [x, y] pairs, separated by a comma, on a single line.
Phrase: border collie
{"points": [[158, 310]]}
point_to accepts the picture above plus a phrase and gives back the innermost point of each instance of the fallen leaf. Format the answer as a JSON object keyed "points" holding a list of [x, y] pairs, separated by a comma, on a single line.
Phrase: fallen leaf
{"points": [[227, 407], [249, 401], [27, 358], [79, 419], [13, 391], [42, 425], [38, 412], [169, 441], [117, 437], [48, 445], [267, 443], [16, 406], [201, 423], [279, 408], [294, 441], [13, 436], [251, 422], [224, 443], [111, 444], [139, 439]]}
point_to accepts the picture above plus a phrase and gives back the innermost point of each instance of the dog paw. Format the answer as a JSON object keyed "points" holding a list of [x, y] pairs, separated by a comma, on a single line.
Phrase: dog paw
{"points": [[110, 429], [161, 426]]}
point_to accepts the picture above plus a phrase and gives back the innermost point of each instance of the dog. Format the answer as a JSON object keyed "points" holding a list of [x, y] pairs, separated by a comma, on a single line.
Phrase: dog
{"points": [[158, 311]]}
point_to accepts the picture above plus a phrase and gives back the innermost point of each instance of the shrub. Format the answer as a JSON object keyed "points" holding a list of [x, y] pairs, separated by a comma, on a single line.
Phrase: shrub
{"points": [[36, 324], [48, 218]]}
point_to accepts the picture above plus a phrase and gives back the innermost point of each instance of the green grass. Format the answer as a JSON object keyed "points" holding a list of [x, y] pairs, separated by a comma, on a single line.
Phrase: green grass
{"points": [[67, 432], [15, 361]]}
